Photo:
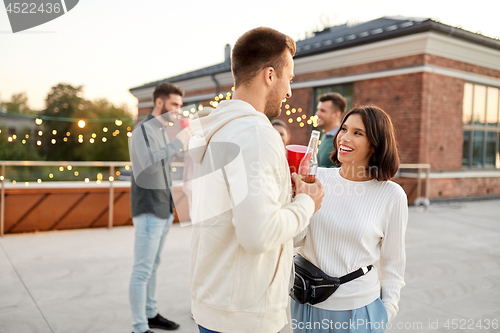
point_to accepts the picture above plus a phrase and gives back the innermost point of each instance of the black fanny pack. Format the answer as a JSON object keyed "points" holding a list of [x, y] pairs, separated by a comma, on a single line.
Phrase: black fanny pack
{"points": [[312, 285]]}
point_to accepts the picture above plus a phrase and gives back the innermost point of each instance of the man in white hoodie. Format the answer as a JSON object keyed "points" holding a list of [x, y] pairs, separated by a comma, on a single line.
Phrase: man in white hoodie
{"points": [[244, 216]]}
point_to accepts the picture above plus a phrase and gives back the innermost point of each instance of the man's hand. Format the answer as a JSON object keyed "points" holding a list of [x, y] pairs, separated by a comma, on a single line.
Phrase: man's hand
{"points": [[314, 190], [184, 136]]}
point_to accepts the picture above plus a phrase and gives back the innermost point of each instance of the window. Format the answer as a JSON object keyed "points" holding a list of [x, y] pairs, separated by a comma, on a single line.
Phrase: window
{"points": [[481, 118], [345, 90]]}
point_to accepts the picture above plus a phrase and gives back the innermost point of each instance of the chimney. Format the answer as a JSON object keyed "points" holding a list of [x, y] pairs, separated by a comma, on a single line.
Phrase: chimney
{"points": [[227, 53]]}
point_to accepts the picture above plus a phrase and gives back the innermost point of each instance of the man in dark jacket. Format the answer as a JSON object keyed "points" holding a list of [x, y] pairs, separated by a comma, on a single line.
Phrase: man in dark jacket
{"points": [[151, 153]]}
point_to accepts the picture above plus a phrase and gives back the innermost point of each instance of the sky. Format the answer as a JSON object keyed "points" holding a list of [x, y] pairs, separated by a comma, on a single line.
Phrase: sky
{"points": [[111, 46]]}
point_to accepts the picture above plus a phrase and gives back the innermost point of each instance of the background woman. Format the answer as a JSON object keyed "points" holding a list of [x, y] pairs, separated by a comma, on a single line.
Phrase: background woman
{"points": [[362, 221], [283, 130]]}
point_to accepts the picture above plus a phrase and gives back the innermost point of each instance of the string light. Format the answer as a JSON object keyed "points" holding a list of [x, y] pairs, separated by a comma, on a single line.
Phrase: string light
{"points": [[87, 180], [127, 167], [104, 139], [13, 182], [94, 135], [65, 139], [40, 133], [10, 139], [81, 123], [27, 136], [24, 141], [54, 132], [91, 140], [53, 141], [76, 173], [27, 184], [68, 133], [129, 134], [38, 180], [51, 175], [118, 122], [2, 178], [61, 169], [39, 143], [105, 129], [111, 178], [70, 167], [118, 173], [38, 121]]}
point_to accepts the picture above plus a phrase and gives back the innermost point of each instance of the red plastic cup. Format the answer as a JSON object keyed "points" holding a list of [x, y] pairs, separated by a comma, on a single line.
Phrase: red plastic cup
{"points": [[294, 155], [185, 122]]}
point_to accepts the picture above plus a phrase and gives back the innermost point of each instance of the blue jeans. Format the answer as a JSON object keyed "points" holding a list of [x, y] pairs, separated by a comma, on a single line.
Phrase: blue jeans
{"points": [[150, 233], [371, 318]]}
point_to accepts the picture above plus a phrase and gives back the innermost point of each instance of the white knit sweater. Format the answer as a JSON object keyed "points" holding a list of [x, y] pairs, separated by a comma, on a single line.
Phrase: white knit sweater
{"points": [[359, 223]]}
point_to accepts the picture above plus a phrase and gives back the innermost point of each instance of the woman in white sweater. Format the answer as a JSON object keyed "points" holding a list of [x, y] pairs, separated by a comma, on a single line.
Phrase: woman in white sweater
{"points": [[362, 222]]}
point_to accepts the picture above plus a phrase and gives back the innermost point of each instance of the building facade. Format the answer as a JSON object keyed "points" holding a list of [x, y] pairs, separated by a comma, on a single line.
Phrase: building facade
{"points": [[439, 84]]}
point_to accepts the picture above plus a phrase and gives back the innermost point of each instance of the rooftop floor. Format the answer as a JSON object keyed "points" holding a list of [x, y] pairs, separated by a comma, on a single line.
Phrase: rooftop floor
{"points": [[77, 281]]}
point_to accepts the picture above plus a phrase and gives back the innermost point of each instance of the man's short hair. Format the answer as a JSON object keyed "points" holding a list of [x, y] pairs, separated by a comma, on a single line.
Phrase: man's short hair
{"points": [[337, 99], [257, 49], [164, 89]]}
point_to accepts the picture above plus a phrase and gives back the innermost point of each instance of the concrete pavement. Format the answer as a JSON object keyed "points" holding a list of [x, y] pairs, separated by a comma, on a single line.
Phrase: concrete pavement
{"points": [[77, 281]]}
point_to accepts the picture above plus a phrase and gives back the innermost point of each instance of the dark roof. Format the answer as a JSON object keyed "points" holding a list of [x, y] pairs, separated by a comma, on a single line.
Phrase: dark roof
{"points": [[345, 36]]}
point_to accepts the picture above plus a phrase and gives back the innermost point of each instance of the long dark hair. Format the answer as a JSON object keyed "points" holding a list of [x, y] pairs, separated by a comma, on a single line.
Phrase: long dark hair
{"points": [[384, 162]]}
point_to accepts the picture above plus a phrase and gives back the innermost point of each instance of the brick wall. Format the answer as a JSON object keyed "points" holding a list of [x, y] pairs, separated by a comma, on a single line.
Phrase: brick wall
{"points": [[443, 128], [301, 98], [401, 97], [464, 187]]}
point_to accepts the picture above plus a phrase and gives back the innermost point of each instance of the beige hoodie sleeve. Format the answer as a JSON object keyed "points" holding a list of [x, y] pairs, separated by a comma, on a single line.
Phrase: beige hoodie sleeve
{"points": [[265, 218]]}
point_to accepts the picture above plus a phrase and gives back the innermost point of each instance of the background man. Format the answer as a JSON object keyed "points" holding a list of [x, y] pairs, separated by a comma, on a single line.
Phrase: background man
{"points": [[243, 214], [331, 107], [151, 199]]}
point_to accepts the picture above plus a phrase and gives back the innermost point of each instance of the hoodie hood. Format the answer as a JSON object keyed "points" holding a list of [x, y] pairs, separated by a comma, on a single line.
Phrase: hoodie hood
{"points": [[204, 128]]}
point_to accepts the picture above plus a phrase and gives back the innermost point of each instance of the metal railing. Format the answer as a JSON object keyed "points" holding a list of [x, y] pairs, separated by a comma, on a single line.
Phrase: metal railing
{"points": [[111, 166], [420, 168]]}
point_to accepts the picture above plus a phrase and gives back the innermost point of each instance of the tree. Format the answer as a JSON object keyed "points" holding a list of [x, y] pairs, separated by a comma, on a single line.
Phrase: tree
{"points": [[17, 150], [62, 102], [72, 143], [18, 104]]}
